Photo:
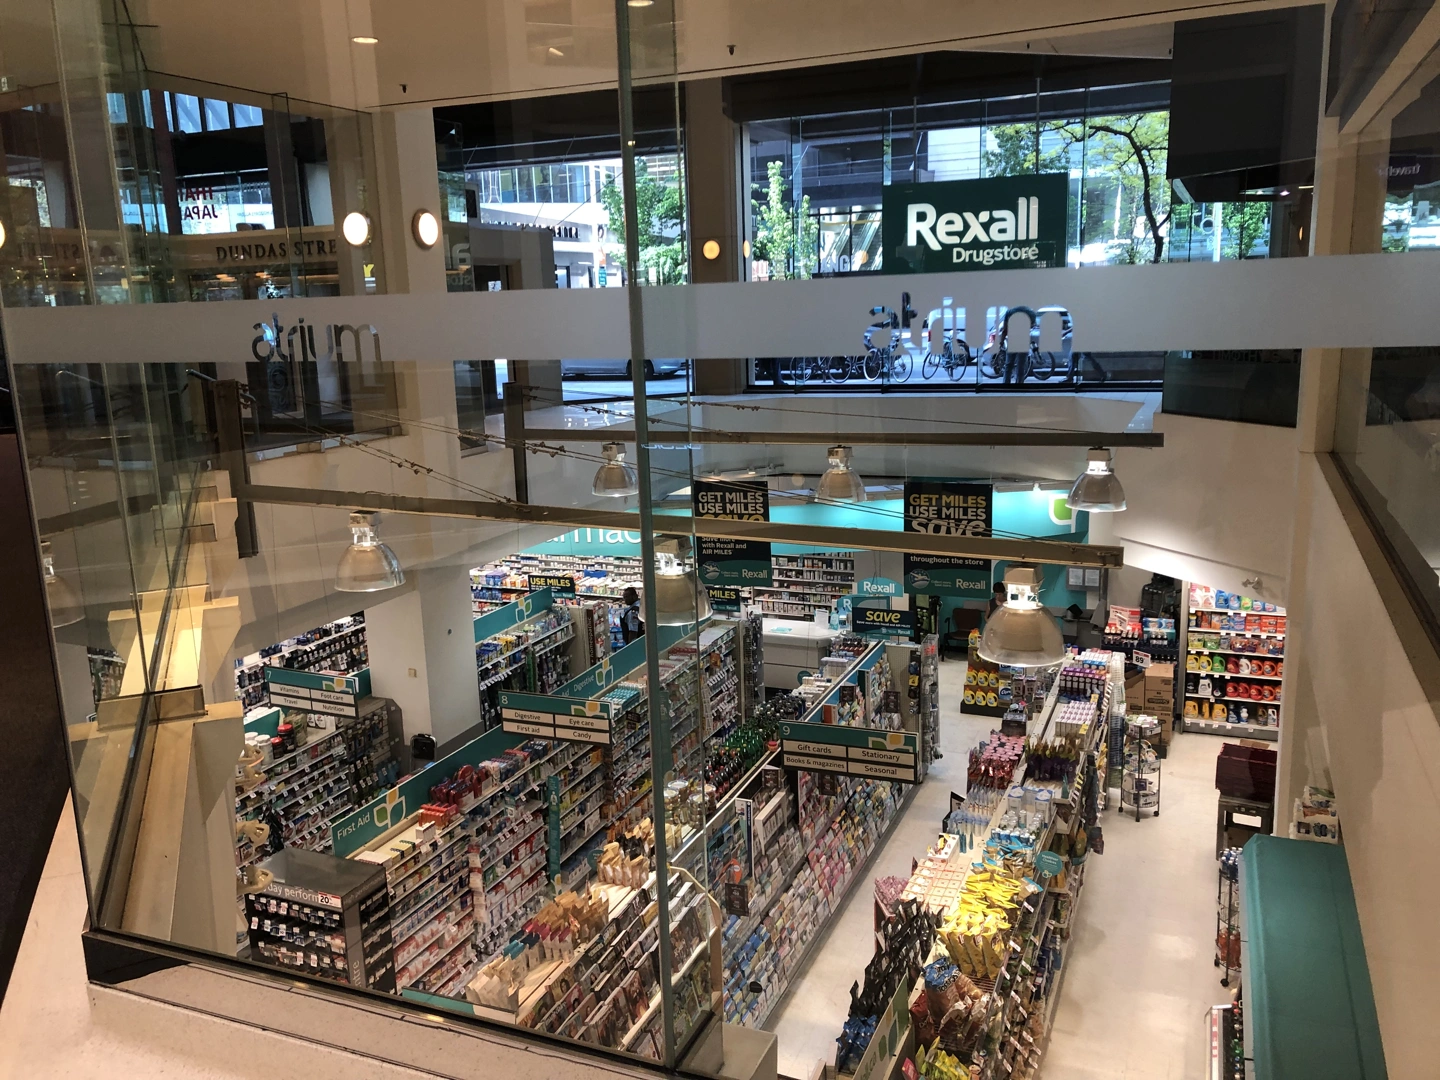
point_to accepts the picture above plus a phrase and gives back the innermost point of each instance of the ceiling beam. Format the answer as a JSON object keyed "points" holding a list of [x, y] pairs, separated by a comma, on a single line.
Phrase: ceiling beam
{"points": [[1057, 552], [821, 439]]}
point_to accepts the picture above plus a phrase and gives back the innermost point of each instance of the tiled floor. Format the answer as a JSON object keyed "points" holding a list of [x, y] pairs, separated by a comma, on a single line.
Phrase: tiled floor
{"points": [[1134, 999]]}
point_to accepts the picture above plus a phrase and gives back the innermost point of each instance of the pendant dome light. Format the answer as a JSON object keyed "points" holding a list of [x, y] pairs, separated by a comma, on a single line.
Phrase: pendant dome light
{"points": [[1097, 489], [616, 478], [368, 564], [1020, 632], [840, 483], [679, 597], [65, 607]]}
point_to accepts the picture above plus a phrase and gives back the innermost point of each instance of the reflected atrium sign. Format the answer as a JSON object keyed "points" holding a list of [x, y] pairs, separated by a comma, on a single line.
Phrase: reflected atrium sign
{"points": [[1004, 223]]}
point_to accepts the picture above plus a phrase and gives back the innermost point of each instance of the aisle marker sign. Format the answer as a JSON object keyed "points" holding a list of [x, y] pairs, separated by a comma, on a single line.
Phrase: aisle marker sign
{"points": [[314, 692], [542, 716], [850, 751]]}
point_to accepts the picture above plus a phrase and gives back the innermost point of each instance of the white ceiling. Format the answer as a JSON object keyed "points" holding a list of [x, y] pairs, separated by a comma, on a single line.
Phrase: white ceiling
{"points": [[434, 51]]}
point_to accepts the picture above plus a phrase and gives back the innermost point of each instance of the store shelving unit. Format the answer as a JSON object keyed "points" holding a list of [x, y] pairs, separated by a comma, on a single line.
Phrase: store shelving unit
{"points": [[1236, 638], [535, 656], [339, 647], [805, 584]]}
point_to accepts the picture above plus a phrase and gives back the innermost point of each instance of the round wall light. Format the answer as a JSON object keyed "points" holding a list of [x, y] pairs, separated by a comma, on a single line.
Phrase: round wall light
{"points": [[710, 249], [365, 39], [2, 234], [356, 229], [426, 227], [745, 249]]}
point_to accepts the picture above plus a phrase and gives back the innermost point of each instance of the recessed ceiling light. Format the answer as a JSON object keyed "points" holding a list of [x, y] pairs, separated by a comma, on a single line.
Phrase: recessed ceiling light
{"points": [[365, 39], [553, 51]]}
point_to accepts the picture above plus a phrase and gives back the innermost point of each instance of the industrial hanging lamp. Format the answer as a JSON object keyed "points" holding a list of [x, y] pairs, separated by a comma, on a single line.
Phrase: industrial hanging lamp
{"points": [[65, 607], [1020, 632], [840, 483], [679, 598], [616, 478], [1097, 489], [368, 564]]}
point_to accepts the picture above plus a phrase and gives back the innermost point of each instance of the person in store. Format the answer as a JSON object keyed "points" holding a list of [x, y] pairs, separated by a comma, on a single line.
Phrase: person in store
{"points": [[630, 625], [996, 600]]}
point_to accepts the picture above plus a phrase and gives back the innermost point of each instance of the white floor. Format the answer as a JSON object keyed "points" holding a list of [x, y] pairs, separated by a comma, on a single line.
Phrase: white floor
{"points": [[1133, 1004]]}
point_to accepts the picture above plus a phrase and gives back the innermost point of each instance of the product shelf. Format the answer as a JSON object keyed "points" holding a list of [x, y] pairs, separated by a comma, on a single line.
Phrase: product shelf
{"points": [[464, 938], [1235, 652], [1240, 700], [1234, 675]]}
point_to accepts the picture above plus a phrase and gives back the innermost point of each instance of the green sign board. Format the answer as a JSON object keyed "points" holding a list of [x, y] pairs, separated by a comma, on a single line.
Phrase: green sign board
{"points": [[878, 586], [546, 716], [850, 751], [594, 681], [999, 223], [522, 610], [316, 692], [722, 561], [945, 575]]}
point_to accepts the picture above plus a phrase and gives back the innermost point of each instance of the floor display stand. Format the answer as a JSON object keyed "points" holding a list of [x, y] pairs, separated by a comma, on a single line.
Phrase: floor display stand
{"points": [[1227, 916], [1140, 776]]}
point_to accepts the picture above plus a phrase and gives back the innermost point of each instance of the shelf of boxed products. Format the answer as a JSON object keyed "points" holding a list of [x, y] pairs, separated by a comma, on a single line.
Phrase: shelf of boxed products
{"points": [[455, 863], [839, 834], [587, 968], [525, 657], [338, 647], [805, 584], [1007, 941]]}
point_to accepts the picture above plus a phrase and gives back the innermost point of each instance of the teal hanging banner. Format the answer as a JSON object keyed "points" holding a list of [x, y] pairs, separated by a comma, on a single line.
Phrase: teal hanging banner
{"points": [[527, 607], [593, 682], [732, 562], [1001, 222], [945, 575]]}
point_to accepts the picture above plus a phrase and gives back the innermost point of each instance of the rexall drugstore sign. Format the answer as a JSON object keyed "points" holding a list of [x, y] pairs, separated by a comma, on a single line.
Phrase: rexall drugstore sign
{"points": [[1005, 222]]}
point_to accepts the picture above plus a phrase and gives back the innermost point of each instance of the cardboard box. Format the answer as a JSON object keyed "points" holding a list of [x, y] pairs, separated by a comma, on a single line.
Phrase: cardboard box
{"points": [[1135, 693], [1160, 680]]}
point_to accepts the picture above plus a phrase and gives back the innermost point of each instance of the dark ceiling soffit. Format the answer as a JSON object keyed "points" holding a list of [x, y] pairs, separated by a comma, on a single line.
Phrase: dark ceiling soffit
{"points": [[925, 78]]}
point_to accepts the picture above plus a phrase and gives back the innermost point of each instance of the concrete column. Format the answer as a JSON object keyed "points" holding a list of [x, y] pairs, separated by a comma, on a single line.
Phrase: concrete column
{"points": [[409, 178], [712, 174], [422, 653], [1350, 180]]}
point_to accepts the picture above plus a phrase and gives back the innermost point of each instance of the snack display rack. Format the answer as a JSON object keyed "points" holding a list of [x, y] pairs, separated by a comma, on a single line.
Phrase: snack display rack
{"points": [[1234, 664]]}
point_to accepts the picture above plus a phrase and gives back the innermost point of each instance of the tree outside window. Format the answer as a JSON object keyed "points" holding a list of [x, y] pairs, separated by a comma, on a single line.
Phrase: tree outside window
{"points": [[786, 235], [660, 214]]}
